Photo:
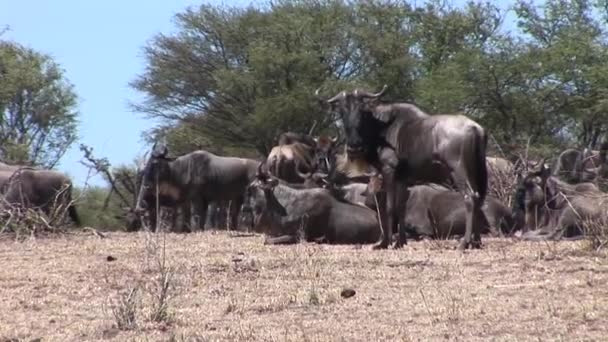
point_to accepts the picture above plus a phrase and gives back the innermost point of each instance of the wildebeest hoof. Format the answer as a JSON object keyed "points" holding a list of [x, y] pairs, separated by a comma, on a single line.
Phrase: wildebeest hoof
{"points": [[398, 245], [380, 245], [463, 245]]}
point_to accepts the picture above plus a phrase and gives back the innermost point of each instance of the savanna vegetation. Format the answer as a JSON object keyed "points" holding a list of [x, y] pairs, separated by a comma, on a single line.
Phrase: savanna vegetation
{"points": [[230, 80]]}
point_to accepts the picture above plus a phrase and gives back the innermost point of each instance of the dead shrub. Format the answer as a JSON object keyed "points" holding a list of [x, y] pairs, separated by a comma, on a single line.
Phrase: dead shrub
{"points": [[125, 308], [502, 185], [23, 220], [596, 232]]}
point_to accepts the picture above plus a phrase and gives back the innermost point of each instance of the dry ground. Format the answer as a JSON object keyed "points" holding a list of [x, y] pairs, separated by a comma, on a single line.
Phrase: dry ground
{"points": [[235, 288]]}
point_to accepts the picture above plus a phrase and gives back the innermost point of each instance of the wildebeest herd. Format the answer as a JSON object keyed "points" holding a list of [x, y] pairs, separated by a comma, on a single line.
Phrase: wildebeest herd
{"points": [[398, 170]]}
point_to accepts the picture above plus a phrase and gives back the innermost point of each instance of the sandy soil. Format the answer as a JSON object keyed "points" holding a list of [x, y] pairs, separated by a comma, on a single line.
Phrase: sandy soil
{"points": [[235, 289]]}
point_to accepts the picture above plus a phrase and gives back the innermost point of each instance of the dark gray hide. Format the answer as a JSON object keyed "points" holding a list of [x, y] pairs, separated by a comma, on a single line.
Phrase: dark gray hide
{"points": [[555, 209], [284, 212], [409, 146], [36, 188], [435, 211], [193, 180]]}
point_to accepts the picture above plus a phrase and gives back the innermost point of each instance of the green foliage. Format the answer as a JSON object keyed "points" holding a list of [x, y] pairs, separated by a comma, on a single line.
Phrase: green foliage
{"points": [[237, 77], [90, 205], [38, 115]]}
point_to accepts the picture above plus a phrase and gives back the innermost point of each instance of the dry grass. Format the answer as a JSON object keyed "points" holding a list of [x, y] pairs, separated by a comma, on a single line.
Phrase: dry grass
{"points": [[228, 288]]}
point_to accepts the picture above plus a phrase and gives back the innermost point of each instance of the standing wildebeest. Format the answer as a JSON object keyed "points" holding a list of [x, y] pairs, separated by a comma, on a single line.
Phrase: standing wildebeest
{"points": [[282, 211], [556, 209], [194, 180], [407, 145], [44, 189]]}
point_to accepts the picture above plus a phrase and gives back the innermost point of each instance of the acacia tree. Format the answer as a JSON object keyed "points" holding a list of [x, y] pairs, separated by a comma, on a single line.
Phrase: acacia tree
{"points": [[38, 116], [237, 77]]}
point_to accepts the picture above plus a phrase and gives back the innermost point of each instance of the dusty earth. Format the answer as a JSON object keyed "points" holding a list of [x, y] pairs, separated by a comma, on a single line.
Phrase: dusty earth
{"points": [[225, 287]]}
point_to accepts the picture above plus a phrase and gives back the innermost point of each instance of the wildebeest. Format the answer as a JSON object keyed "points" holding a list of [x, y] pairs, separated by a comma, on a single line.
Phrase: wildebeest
{"points": [[288, 138], [301, 154], [435, 211], [407, 145], [284, 212], [38, 188], [555, 209], [193, 180], [576, 166], [284, 161]]}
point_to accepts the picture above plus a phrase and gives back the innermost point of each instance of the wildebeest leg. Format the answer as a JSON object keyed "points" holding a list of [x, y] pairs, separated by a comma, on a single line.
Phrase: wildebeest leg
{"points": [[472, 203], [388, 163], [282, 240], [187, 217], [153, 218], [235, 209], [200, 213], [402, 196]]}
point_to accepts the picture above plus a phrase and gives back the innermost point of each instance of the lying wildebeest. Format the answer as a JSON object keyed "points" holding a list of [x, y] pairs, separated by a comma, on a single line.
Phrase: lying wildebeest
{"points": [[408, 145], [555, 209], [282, 160], [195, 179], [575, 166], [288, 138], [435, 211], [286, 160], [38, 188], [281, 211]]}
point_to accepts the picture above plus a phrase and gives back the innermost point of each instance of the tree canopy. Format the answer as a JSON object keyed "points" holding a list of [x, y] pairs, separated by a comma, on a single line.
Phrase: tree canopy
{"points": [[38, 117], [237, 77]]}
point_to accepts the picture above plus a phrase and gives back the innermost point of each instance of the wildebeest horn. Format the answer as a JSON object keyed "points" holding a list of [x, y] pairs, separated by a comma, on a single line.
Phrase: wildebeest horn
{"points": [[370, 95], [340, 96], [301, 174]]}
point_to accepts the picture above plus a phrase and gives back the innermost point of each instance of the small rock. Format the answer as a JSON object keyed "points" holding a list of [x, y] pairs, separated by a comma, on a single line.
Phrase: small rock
{"points": [[347, 293], [110, 258]]}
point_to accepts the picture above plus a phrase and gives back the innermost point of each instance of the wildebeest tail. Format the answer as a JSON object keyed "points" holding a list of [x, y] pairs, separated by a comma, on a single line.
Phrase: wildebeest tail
{"points": [[74, 214], [479, 173]]}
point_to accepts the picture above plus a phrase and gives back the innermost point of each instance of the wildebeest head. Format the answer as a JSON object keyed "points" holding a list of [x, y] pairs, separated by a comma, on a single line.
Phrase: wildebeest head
{"points": [[262, 201], [325, 153], [155, 171], [533, 187], [356, 111], [532, 193]]}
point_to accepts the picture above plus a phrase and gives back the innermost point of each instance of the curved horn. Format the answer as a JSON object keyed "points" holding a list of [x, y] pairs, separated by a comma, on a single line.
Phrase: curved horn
{"points": [[301, 174], [318, 95], [381, 92], [370, 95], [340, 96]]}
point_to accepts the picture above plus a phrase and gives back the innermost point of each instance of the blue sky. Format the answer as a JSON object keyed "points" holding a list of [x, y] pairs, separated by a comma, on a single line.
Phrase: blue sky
{"points": [[99, 45]]}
